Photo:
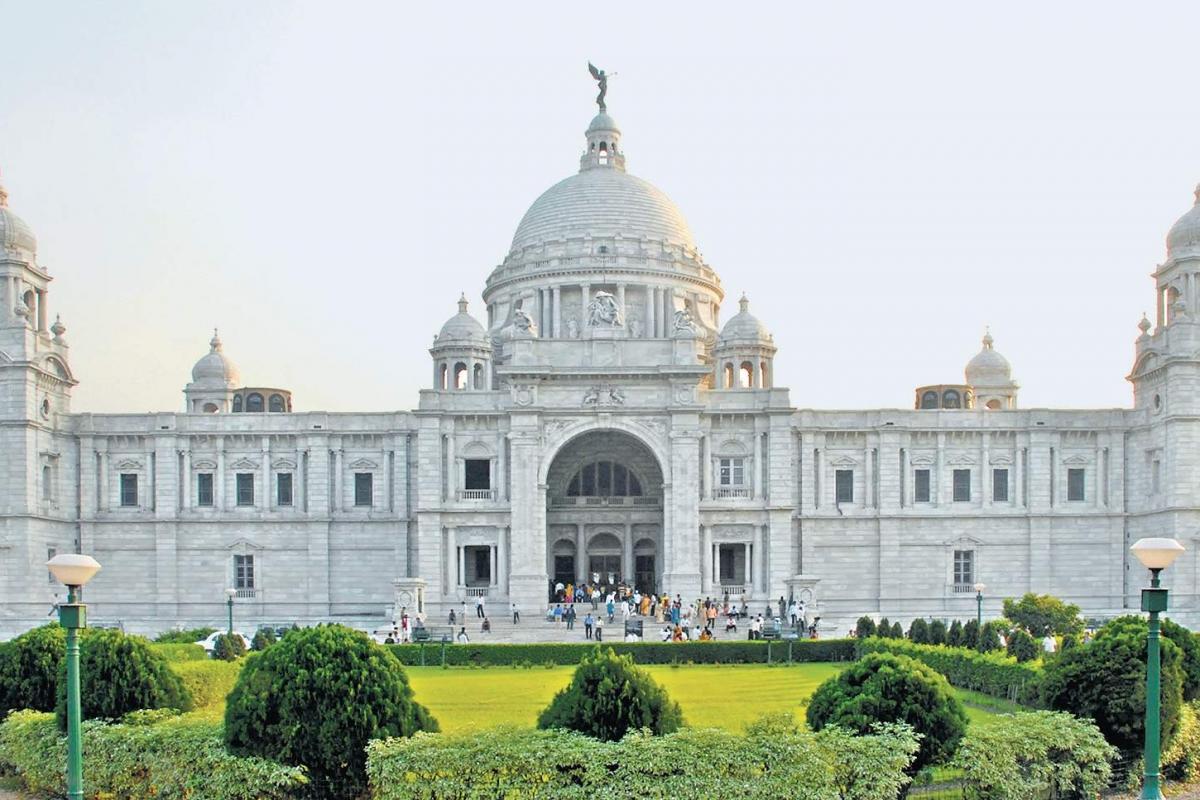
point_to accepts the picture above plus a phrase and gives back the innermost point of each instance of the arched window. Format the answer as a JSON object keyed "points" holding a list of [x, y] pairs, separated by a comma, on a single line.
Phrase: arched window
{"points": [[237, 404], [746, 375], [254, 402], [477, 378], [47, 486], [275, 404], [763, 380], [604, 479], [728, 377], [604, 152], [951, 399], [929, 400], [993, 405], [460, 375], [210, 408], [444, 378]]}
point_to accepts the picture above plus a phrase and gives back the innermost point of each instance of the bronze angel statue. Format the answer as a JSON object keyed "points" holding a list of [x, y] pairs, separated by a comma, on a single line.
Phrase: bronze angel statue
{"points": [[602, 79]]}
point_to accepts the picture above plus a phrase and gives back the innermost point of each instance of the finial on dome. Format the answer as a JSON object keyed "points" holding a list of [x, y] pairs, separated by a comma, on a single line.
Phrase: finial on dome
{"points": [[1144, 325], [743, 304], [462, 303], [215, 342], [987, 337]]}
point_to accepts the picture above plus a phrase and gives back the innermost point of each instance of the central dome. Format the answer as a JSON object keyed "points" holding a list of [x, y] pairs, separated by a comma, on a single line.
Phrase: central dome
{"points": [[603, 202]]}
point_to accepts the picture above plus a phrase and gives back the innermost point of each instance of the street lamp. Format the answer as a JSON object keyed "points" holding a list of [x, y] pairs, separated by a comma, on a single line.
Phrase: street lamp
{"points": [[229, 595], [73, 570], [979, 587], [1156, 554]]}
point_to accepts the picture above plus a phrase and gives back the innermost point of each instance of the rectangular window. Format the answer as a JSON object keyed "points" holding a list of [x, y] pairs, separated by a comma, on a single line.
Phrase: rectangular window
{"points": [[844, 485], [999, 485], [1155, 476], [1075, 484], [478, 473], [731, 472], [245, 488], [243, 572], [964, 567], [364, 488], [962, 485], [283, 489], [51, 552], [129, 489], [921, 486], [204, 489]]}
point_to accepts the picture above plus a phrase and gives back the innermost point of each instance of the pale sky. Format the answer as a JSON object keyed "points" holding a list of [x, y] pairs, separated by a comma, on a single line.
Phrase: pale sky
{"points": [[321, 180]]}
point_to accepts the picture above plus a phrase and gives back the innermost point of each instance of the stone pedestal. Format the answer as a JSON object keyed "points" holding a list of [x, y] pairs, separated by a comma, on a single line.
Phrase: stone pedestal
{"points": [[409, 593], [804, 589]]}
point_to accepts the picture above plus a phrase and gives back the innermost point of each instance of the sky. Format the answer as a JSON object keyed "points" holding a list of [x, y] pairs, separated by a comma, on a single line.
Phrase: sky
{"points": [[321, 180]]}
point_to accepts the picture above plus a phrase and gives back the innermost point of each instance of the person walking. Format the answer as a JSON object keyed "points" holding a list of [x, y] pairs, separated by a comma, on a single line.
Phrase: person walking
{"points": [[479, 607], [588, 621], [516, 612], [570, 616], [599, 630]]}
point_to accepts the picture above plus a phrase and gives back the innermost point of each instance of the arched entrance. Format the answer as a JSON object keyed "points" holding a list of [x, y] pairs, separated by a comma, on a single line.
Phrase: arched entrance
{"points": [[604, 516]]}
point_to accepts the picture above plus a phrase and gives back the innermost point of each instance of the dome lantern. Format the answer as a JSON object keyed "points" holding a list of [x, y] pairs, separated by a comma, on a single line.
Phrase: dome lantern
{"points": [[214, 379], [462, 353], [990, 377], [744, 354]]}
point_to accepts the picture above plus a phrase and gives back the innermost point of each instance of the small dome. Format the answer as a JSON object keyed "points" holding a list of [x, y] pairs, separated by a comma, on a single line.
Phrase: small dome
{"points": [[216, 369], [602, 122], [744, 326], [1185, 233], [987, 367], [16, 237], [461, 327]]}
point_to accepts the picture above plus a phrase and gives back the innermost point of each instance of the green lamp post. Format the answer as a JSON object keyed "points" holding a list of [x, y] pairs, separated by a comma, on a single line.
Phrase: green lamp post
{"points": [[229, 595], [73, 570], [979, 587], [1156, 554]]}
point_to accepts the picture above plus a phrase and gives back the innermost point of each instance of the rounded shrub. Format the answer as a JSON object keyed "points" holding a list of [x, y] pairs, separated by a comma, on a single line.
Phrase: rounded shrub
{"points": [[881, 687], [609, 696], [884, 629], [897, 631], [29, 669], [229, 647], [989, 636], [864, 628], [119, 674], [937, 632], [1189, 649], [1021, 646], [1106, 681], [264, 638], [918, 631], [316, 698]]}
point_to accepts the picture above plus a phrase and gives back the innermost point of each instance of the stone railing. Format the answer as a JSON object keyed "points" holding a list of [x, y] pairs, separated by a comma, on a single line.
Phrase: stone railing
{"points": [[476, 494], [963, 588], [476, 591], [605, 501], [246, 594], [734, 590], [727, 492]]}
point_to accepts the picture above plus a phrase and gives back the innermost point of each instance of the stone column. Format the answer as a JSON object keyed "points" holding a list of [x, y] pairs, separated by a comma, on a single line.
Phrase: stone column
{"points": [[706, 560], [219, 493], [557, 301], [451, 561], [528, 581], [939, 480], [585, 290], [651, 317], [985, 472], [462, 566], [41, 311], [760, 559], [868, 477], [265, 502], [621, 304], [581, 575], [502, 561], [338, 496], [492, 571], [706, 468], [451, 469], [756, 467], [186, 484], [627, 554], [682, 529]]}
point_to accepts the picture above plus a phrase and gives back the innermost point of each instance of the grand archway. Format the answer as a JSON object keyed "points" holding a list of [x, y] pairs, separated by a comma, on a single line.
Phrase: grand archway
{"points": [[604, 515]]}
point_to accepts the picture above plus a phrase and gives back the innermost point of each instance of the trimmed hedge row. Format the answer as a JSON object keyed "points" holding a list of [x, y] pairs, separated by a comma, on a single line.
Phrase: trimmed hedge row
{"points": [[168, 761], [773, 762], [208, 682], [740, 652], [180, 652], [992, 674]]}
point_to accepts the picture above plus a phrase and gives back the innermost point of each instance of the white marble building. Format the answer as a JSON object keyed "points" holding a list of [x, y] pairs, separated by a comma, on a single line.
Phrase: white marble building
{"points": [[602, 420]]}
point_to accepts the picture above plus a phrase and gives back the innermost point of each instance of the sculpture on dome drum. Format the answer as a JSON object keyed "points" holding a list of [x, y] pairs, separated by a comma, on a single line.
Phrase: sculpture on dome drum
{"points": [[683, 324], [602, 79], [604, 311], [523, 323]]}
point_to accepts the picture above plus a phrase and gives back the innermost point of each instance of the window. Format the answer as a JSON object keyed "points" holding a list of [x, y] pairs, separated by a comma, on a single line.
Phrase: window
{"points": [[604, 479], [964, 567], [129, 489], [275, 404], [844, 485], [254, 402], [962, 485], [929, 400], [1075, 484], [245, 488], [47, 484], [237, 404], [364, 487], [951, 399], [51, 552], [1000, 485], [478, 474], [204, 489], [283, 489], [1155, 476], [243, 573], [731, 471], [921, 486]]}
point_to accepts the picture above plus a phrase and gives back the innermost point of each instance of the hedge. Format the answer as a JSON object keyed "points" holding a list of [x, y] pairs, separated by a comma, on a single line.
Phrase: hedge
{"points": [[180, 652], [209, 682], [992, 674], [168, 761], [556, 765], [739, 652]]}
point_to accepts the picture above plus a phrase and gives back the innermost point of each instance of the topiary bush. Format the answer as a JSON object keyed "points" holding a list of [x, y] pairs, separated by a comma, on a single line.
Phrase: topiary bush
{"points": [[937, 632], [1021, 646], [970, 634], [1189, 649], [29, 669], [229, 647], [897, 631], [918, 631], [882, 688], [316, 699], [264, 638], [1106, 681], [989, 636], [189, 636], [954, 635], [609, 696], [993, 674], [884, 628], [119, 674], [864, 628]]}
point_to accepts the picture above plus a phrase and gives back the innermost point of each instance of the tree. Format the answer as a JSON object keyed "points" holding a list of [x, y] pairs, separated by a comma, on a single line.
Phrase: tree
{"points": [[263, 638], [1189, 649], [897, 631], [989, 636], [315, 699], [29, 669], [189, 636], [1106, 681], [954, 636], [918, 632], [610, 696], [229, 647], [1021, 646], [119, 674], [882, 687], [970, 634], [937, 632], [884, 629], [865, 628], [1042, 614]]}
